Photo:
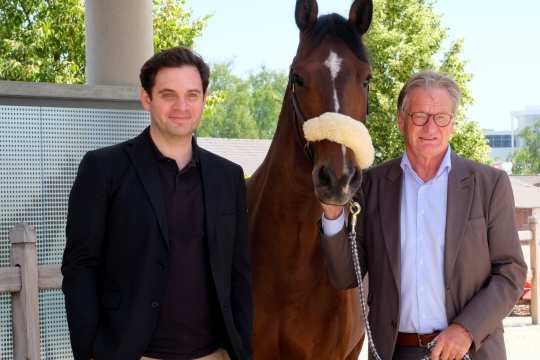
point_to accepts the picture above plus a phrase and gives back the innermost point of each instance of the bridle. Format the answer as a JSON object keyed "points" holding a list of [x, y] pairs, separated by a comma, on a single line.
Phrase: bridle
{"points": [[298, 115]]}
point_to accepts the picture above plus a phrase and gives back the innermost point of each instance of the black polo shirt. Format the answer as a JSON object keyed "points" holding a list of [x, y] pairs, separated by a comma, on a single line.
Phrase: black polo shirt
{"points": [[190, 323]]}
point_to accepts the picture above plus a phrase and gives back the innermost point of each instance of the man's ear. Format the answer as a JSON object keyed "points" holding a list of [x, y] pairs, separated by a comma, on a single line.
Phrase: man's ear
{"points": [[145, 99]]}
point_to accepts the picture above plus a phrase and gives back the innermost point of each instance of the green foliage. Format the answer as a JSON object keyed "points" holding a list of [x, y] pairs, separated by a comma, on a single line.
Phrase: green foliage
{"points": [[469, 141], [43, 40], [406, 36], [173, 24], [243, 108], [527, 159], [266, 95]]}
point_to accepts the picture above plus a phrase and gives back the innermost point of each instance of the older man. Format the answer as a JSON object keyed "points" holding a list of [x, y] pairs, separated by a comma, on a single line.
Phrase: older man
{"points": [[437, 237]]}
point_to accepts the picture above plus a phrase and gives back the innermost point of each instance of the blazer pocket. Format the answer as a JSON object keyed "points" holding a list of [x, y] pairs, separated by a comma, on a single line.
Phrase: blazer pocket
{"points": [[111, 300]]}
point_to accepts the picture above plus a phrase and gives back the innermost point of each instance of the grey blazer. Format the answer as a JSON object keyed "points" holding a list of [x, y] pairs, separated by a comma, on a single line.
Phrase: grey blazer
{"points": [[484, 270]]}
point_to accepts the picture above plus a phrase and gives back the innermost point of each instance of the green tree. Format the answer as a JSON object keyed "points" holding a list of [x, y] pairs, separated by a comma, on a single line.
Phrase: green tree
{"points": [[244, 108], [406, 36], [43, 40], [527, 159], [174, 26], [230, 117], [469, 141], [266, 89]]}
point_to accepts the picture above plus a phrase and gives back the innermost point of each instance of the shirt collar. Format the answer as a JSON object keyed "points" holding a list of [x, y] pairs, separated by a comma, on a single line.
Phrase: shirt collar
{"points": [[160, 157], [446, 163]]}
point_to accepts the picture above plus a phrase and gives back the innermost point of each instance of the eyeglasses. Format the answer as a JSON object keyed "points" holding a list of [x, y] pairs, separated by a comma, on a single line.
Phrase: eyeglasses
{"points": [[422, 118]]}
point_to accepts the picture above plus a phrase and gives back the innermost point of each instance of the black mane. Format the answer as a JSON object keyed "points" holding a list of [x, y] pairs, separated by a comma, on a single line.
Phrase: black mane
{"points": [[335, 26]]}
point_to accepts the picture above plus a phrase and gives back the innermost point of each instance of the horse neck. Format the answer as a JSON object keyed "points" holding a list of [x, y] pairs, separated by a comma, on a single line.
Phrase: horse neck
{"points": [[286, 170]]}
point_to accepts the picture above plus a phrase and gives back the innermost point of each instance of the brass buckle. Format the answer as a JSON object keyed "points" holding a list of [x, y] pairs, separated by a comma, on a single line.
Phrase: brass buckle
{"points": [[420, 343]]}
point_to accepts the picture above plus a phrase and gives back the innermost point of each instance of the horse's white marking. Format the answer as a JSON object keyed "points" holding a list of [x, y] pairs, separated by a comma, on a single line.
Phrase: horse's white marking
{"points": [[336, 101], [333, 63], [344, 152]]}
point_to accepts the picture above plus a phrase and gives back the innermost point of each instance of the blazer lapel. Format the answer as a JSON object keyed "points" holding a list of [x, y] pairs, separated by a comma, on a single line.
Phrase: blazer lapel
{"points": [[459, 200], [140, 153], [390, 203], [211, 192]]}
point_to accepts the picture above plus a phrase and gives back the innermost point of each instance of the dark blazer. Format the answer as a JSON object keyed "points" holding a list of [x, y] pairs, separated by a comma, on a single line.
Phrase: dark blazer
{"points": [[484, 270], [115, 261]]}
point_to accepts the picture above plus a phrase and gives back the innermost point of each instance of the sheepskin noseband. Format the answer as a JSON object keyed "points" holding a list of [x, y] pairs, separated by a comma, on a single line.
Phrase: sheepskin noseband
{"points": [[344, 130]]}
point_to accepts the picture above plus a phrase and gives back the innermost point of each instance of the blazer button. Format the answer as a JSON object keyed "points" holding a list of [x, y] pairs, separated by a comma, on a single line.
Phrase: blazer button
{"points": [[155, 304], [394, 324]]}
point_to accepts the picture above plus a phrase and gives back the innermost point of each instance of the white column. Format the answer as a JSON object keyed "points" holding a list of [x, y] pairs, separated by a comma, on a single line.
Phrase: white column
{"points": [[119, 39]]}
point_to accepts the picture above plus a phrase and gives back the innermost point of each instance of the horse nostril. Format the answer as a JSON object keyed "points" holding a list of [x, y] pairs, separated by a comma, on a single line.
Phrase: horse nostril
{"points": [[325, 179]]}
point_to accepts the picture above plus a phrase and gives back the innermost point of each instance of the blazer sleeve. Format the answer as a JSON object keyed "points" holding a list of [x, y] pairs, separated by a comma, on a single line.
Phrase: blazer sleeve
{"points": [[241, 300], [85, 229], [495, 300], [338, 253]]}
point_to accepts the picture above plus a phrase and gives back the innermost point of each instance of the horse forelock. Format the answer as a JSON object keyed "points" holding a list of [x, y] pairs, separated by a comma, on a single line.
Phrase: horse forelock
{"points": [[335, 27]]}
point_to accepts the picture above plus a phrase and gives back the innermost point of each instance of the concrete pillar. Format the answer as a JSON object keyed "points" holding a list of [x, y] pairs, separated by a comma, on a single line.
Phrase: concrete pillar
{"points": [[119, 39]]}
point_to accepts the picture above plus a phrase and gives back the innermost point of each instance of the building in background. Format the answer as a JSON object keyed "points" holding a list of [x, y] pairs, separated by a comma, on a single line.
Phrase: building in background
{"points": [[504, 143]]}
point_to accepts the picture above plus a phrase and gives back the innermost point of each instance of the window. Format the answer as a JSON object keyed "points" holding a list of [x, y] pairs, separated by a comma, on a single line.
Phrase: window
{"points": [[499, 141]]}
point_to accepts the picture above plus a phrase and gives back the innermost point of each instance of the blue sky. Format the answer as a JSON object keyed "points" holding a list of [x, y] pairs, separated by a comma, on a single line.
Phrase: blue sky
{"points": [[501, 45]]}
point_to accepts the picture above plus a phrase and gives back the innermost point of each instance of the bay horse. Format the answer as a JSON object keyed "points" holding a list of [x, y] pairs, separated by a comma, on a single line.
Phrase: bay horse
{"points": [[297, 313]]}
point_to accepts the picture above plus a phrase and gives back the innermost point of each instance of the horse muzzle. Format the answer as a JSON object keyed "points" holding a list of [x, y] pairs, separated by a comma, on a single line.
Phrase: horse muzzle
{"points": [[334, 190]]}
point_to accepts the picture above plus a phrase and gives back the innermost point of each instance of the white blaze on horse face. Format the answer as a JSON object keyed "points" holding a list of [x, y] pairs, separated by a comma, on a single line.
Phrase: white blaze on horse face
{"points": [[333, 63], [345, 168]]}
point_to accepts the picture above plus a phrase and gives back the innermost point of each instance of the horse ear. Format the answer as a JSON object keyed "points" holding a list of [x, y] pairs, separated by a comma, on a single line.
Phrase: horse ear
{"points": [[306, 13], [360, 15]]}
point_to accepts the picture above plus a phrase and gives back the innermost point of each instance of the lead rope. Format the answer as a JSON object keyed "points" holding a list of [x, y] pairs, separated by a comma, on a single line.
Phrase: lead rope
{"points": [[355, 211]]}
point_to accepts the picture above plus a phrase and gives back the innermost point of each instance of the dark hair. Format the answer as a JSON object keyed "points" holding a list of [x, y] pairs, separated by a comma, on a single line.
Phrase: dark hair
{"points": [[171, 58]]}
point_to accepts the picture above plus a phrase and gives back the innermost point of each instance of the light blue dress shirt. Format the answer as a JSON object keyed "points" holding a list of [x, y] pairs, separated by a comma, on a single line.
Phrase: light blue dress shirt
{"points": [[422, 230]]}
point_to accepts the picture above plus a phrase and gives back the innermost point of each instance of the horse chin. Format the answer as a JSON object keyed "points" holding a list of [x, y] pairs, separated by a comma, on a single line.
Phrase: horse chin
{"points": [[328, 197]]}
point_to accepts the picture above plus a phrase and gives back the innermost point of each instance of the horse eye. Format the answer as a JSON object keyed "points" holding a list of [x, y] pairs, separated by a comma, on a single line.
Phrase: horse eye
{"points": [[365, 83], [297, 79]]}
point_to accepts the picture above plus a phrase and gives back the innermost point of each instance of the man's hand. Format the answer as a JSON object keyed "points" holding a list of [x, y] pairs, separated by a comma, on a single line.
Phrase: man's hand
{"points": [[331, 212], [452, 343]]}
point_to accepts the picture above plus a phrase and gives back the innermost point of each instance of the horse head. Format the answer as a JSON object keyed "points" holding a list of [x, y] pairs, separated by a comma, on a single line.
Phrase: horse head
{"points": [[330, 75]]}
